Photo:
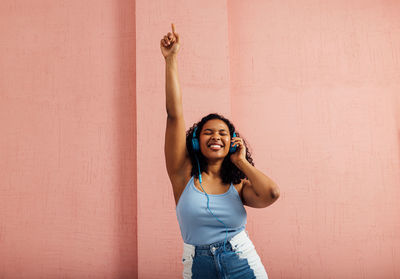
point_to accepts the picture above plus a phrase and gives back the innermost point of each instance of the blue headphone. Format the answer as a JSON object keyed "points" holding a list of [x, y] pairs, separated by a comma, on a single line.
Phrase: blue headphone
{"points": [[196, 148]]}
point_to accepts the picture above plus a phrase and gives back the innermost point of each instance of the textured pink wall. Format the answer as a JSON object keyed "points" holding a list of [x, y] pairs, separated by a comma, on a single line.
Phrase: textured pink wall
{"points": [[203, 69], [67, 144], [315, 87]]}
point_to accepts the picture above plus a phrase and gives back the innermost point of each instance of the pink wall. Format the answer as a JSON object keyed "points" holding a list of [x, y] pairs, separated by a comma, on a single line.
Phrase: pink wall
{"points": [[68, 139], [203, 69], [318, 81]]}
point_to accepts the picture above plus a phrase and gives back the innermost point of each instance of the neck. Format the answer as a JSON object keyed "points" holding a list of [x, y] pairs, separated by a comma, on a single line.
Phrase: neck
{"points": [[214, 169]]}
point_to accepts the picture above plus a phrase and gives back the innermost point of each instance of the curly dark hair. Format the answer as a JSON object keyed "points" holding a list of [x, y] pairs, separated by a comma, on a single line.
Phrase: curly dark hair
{"points": [[229, 172]]}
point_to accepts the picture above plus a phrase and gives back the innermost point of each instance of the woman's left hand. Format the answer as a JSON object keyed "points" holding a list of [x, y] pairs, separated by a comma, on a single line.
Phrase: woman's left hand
{"points": [[240, 153]]}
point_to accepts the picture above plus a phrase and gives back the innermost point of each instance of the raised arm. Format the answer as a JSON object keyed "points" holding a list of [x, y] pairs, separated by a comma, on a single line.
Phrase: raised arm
{"points": [[176, 154]]}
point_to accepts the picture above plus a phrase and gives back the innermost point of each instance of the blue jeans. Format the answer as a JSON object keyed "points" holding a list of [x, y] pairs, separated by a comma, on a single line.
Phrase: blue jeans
{"points": [[239, 260]]}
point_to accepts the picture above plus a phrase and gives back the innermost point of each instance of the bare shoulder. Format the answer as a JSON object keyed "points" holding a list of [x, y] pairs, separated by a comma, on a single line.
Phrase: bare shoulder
{"points": [[239, 188], [180, 180]]}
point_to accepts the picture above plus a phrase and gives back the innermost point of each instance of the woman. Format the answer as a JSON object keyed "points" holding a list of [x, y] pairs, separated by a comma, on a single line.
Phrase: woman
{"points": [[213, 176]]}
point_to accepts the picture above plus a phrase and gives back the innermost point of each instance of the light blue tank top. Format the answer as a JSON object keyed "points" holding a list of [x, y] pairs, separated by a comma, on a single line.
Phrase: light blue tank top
{"points": [[198, 226]]}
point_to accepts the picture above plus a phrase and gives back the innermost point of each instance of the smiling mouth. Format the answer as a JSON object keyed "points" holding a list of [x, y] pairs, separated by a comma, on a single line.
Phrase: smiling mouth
{"points": [[215, 147]]}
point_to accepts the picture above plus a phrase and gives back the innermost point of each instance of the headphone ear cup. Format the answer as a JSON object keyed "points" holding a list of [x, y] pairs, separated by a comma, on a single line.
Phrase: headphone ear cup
{"points": [[195, 141], [195, 145], [232, 149]]}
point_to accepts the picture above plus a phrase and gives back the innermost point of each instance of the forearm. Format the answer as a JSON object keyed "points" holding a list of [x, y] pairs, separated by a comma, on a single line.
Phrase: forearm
{"points": [[262, 184], [172, 88]]}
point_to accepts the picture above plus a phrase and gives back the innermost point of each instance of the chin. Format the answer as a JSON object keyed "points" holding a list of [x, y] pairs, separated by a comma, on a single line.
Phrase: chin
{"points": [[216, 155]]}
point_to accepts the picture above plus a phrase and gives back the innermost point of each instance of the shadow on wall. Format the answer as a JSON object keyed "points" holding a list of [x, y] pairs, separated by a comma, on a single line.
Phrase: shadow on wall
{"points": [[126, 256], [396, 110]]}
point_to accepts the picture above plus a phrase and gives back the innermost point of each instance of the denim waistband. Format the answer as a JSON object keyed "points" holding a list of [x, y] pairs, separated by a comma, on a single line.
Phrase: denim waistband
{"points": [[237, 238]]}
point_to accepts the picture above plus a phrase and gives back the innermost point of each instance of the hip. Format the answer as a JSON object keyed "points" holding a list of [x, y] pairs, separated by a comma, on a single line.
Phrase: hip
{"points": [[237, 258]]}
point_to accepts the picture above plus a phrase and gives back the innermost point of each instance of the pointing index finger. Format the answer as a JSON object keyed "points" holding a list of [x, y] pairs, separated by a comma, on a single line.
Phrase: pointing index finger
{"points": [[173, 27]]}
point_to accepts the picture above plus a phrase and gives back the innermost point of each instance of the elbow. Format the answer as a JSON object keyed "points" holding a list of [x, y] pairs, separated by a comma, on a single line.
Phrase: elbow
{"points": [[275, 193], [272, 197]]}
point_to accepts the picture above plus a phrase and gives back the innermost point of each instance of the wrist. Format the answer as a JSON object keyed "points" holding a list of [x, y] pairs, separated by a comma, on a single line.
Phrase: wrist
{"points": [[171, 59], [241, 163]]}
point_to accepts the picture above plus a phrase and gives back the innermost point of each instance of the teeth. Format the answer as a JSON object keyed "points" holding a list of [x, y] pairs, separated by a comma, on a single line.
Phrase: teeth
{"points": [[215, 146]]}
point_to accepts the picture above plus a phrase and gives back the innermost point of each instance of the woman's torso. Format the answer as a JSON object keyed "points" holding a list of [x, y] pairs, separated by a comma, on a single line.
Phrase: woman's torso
{"points": [[228, 215], [211, 187]]}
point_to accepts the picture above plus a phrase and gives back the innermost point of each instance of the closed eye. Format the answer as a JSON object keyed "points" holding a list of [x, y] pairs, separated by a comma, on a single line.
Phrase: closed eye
{"points": [[210, 134]]}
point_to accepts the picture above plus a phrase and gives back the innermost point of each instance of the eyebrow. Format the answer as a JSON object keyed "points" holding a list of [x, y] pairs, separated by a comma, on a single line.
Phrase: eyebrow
{"points": [[213, 130]]}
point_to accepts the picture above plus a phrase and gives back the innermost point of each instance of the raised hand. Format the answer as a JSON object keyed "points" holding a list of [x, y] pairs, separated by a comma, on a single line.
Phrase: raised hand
{"points": [[170, 43]]}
